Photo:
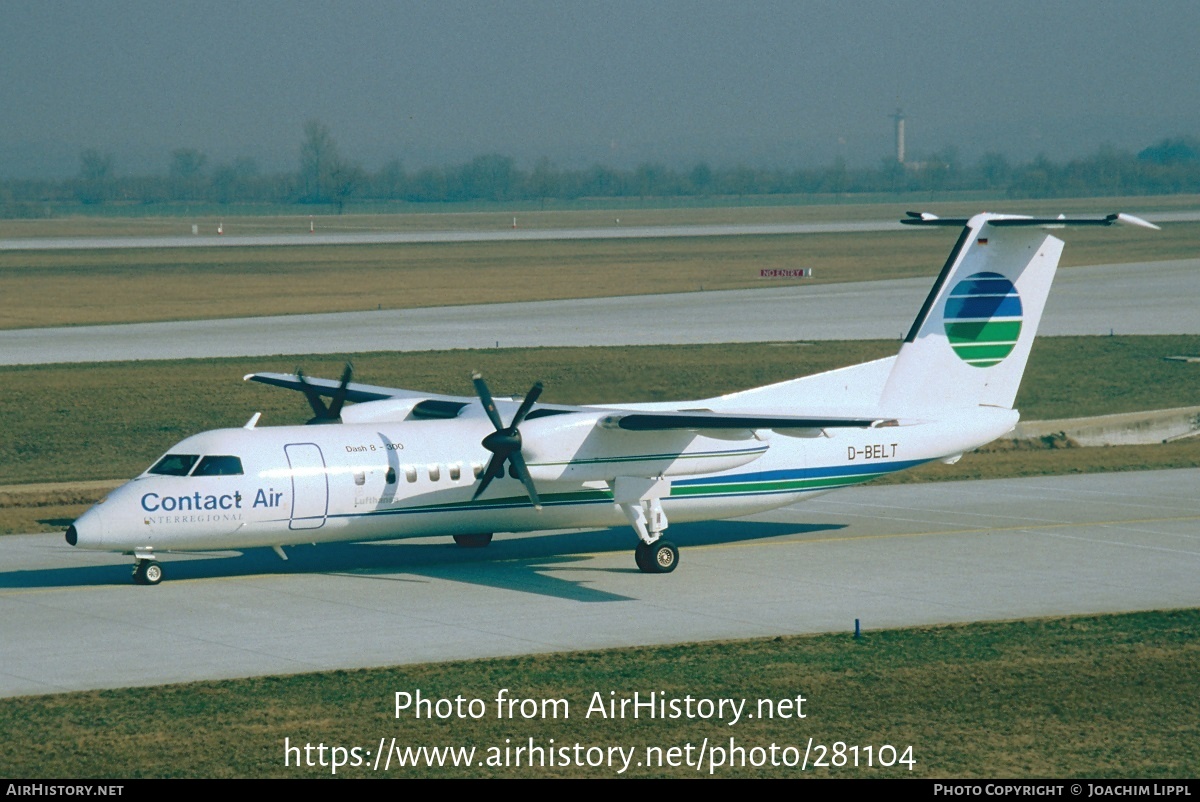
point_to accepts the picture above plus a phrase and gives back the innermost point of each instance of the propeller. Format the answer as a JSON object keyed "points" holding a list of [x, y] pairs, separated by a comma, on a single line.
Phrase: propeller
{"points": [[505, 442], [321, 412]]}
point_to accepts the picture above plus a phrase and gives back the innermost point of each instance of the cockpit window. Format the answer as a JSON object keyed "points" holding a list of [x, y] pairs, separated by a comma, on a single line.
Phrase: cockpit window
{"points": [[219, 466], [174, 464]]}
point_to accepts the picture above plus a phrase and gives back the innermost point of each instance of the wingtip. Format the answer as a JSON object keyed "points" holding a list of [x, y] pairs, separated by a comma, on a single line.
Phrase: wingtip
{"points": [[1131, 220]]}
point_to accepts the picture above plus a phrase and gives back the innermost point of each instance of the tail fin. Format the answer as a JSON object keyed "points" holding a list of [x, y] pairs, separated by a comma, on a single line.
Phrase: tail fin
{"points": [[971, 340]]}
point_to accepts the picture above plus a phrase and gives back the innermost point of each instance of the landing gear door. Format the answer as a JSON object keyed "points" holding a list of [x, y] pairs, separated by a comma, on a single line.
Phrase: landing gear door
{"points": [[310, 485]]}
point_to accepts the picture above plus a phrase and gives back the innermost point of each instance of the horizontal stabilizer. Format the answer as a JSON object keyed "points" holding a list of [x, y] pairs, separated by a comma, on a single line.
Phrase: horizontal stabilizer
{"points": [[927, 219]]}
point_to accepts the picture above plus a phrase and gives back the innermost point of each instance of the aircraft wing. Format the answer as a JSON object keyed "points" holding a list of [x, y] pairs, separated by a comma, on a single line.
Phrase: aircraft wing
{"points": [[667, 421], [358, 393], [633, 420], [403, 403]]}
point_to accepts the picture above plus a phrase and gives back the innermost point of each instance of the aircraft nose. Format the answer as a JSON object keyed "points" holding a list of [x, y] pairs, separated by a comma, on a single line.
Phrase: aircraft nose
{"points": [[87, 531]]}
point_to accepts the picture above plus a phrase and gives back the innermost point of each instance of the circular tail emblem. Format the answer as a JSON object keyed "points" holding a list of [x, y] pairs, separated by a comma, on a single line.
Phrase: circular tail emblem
{"points": [[983, 319]]}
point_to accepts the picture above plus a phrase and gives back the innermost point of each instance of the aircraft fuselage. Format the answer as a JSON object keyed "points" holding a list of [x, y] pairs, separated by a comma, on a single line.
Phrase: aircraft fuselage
{"points": [[312, 484]]}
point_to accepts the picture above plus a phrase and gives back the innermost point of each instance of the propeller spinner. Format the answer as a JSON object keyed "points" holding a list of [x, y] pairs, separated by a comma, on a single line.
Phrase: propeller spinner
{"points": [[333, 412], [505, 442]]}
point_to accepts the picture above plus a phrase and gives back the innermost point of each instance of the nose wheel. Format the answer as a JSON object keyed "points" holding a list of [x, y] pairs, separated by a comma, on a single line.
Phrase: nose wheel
{"points": [[147, 572], [660, 557]]}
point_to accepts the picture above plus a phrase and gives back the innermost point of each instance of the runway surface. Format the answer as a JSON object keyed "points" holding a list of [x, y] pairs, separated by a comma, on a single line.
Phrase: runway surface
{"points": [[1147, 298], [412, 237], [891, 556], [497, 235]]}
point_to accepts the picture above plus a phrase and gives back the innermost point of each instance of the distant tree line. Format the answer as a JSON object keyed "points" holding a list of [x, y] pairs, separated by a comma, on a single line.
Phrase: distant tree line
{"points": [[323, 176]]}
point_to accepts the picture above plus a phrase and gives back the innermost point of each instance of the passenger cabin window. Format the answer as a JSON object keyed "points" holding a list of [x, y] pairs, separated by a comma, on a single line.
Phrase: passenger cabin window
{"points": [[435, 472], [410, 473], [174, 465], [391, 476], [455, 472], [219, 466]]}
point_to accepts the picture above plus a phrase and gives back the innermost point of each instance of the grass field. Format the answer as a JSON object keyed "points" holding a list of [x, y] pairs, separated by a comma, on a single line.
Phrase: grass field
{"points": [[53, 288], [1098, 697]]}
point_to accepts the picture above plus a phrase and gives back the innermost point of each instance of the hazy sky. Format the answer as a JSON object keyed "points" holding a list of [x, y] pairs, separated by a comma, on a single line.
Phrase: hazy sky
{"points": [[764, 83]]}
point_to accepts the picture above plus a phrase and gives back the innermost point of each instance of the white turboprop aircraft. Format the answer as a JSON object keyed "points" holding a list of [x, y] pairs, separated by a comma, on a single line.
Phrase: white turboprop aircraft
{"points": [[401, 463]]}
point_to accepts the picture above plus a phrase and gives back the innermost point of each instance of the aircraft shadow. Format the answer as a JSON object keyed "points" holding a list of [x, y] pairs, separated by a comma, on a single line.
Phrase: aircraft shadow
{"points": [[520, 562]]}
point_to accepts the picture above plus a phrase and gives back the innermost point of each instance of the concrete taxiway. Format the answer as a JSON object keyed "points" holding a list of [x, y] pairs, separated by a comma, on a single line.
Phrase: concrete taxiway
{"points": [[1147, 298], [891, 556]]}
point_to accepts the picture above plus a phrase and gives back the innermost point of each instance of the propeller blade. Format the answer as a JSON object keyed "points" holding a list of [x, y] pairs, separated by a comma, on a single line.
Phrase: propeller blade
{"points": [[322, 413], [314, 398], [485, 397], [518, 462], [339, 398], [494, 468], [530, 398], [505, 442]]}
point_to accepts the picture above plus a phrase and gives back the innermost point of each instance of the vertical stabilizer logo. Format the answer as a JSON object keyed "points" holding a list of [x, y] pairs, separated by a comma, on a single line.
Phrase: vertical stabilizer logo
{"points": [[983, 319]]}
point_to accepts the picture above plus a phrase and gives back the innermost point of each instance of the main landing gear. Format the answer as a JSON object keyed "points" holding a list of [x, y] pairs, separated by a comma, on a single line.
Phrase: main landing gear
{"points": [[474, 540], [641, 500], [147, 572], [659, 557]]}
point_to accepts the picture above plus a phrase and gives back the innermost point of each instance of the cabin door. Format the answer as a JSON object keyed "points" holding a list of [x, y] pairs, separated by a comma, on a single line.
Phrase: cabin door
{"points": [[310, 485]]}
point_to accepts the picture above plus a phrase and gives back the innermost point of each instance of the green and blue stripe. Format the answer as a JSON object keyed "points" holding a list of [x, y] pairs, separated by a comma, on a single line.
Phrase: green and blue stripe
{"points": [[983, 319]]}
